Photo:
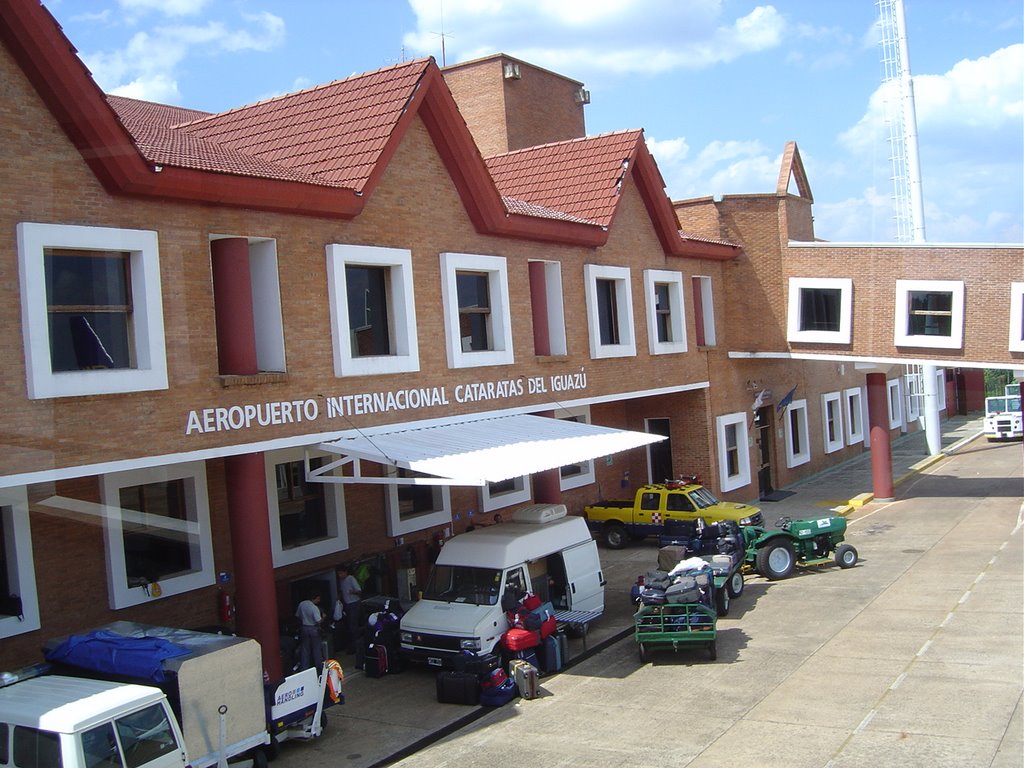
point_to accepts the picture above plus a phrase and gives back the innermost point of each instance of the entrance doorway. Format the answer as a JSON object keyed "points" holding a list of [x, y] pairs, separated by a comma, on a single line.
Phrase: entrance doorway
{"points": [[763, 439], [659, 455]]}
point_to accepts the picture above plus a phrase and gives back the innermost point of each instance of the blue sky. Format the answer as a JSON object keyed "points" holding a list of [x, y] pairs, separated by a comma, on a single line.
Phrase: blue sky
{"points": [[719, 86]]}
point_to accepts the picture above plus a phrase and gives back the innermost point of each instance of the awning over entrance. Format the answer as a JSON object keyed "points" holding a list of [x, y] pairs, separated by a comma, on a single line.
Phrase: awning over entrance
{"points": [[478, 452]]}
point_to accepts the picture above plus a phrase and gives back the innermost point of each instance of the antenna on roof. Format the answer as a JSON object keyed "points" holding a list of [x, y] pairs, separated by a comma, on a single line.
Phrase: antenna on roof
{"points": [[444, 61]]}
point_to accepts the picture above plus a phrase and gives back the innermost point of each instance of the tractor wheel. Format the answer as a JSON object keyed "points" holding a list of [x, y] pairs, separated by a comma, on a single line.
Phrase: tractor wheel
{"points": [[615, 535], [722, 601], [713, 650], [735, 585], [775, 560], [846, 556]]}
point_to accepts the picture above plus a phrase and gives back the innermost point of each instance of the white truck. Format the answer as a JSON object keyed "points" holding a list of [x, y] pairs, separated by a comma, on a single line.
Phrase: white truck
{"points": [[1003, 420], [99, 704], [543, 551]]}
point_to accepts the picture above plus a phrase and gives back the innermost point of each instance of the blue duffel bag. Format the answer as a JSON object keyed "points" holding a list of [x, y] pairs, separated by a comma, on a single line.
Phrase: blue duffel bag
{"points": [[497, 695]]}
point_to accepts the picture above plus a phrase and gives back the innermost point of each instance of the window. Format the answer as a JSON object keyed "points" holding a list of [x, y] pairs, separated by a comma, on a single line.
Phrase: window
{"points": [[895, 403], [733, 452], [798, 447], [914, 387], [1017, 317], [373, 310], [854, 415], [34, 748], [666, 326], [307, 519], [157, 528], [940, 388], [820, 310], [548, 310], [413, 507], [17, 571], [703, 312], [576, 475], [515, 490], [929, 313], [832, 421], [609, 311], [478, 321], [92, 311]]}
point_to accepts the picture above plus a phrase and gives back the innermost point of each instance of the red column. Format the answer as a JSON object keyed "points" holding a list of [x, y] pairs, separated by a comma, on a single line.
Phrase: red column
{"points": [[547, 485], [539, 305], [255, 598], [232, 299], [881, 451]]}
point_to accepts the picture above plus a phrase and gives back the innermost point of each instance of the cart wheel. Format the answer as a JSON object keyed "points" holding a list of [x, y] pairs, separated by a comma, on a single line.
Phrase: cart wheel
{"points": [[615, 535], [846, 556], [713, 650], [735, 585], [272, 750], [775, 559], [722, 601], [259, 759], [643, 652]]}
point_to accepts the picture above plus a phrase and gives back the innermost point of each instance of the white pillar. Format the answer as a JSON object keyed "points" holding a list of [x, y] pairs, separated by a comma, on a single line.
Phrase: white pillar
{"points": [[930, 409]]}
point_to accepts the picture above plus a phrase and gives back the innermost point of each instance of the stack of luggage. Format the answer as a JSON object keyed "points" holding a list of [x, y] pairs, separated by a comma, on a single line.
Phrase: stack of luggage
{"points": [[689, 581], [383, 642]]}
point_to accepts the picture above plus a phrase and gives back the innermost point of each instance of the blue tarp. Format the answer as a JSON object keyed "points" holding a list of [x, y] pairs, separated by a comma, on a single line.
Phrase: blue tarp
{"points": [[105, 651]]}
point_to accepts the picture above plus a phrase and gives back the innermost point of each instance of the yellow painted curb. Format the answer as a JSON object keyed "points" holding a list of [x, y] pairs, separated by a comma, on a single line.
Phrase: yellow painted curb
{"points": [[843, 510], [861, 499]]}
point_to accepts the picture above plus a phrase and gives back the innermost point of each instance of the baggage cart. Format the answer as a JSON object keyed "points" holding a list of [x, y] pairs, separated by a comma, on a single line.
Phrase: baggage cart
{"points": [[675, 626]]}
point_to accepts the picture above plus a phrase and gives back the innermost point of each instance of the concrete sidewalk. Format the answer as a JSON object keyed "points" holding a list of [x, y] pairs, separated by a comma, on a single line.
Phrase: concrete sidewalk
{"points": [[392, 717]]}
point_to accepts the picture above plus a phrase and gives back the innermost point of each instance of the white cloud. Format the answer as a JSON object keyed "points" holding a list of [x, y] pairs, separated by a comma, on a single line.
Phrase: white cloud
{"points": [[581, 36], [166, 7], [721, 167]]}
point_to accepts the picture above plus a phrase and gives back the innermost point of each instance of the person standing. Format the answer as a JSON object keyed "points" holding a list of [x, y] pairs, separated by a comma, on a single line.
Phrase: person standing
{"points": [[311, 651], [351, 592]]}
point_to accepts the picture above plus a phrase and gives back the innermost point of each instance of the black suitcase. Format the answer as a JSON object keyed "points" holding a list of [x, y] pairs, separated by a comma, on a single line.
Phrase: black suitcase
{"points": [[376, 662], [458, 688]]}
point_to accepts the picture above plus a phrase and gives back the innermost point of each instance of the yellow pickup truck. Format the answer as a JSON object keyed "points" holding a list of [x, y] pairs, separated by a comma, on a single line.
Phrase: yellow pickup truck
{"points": [[654, 506]]}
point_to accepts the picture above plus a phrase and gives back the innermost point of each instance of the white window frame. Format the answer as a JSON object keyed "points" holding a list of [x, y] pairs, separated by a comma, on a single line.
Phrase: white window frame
{"points": [[624, 311], [401, 310], [913, 387], [832, 401], [334, 510], [845, 287], [902, 337], [742, 478], [587, 476], [147, 320], [853, 403], [521, 494], [496, 268], [940, 388], [794, 459], [267, 318], [399, 527], [677, 316], [707, 303], [554, 303], [22, 577], [1016, 317], [895, 401], [123, 596]]}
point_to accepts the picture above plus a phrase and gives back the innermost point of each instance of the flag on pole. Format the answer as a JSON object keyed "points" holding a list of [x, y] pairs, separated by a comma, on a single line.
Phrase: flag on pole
{"points": [[785, 401]]}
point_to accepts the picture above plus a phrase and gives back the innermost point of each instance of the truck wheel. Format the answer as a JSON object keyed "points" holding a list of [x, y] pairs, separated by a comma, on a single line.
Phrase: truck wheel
{"points": [[846, 556], [722, 601], [775, 559], [615, 535], [735, 585]]}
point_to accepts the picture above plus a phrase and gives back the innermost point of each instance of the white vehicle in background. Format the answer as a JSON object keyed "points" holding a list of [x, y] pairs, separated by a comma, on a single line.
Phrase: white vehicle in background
{"points": [[1003, 420]]}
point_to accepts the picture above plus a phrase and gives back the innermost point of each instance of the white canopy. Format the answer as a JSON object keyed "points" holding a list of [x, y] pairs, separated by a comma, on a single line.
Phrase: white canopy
{"points": [[478, 452]]}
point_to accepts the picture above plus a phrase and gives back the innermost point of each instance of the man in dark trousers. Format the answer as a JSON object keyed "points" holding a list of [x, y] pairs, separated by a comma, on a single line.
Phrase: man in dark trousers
{"points": [[351, 592], [311, 652]]}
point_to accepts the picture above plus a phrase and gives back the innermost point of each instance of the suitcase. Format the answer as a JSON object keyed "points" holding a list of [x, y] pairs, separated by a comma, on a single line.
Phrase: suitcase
{"points": [[458, 688], [551, 655], [563, 644], [525, 676], [519, 639], [499, 694], [529, 656], [548, 627], [375, 664]]}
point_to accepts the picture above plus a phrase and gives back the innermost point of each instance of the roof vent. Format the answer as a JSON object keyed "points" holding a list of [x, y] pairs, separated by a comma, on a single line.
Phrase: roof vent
{"points": [[539, 513], [512, 71], [582, 96]]}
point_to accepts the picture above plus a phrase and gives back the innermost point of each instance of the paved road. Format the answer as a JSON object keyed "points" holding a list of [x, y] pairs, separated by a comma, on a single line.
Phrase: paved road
{"points": [[913, 658]]}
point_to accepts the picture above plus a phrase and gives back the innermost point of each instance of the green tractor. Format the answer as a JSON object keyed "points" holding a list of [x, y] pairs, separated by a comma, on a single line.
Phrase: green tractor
{"points": [[815, 541]]}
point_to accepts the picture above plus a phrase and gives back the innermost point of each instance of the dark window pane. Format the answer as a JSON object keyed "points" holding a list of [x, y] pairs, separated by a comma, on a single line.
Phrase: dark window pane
{"points": [[157, 542], [474, 310], [302, 509], [931, 313], [663, 311], [84, 341], [820, 309], [794, 430], [607, 312], [368, 316], [36, 749], [94, 280], [145, 735], [100, 747]]}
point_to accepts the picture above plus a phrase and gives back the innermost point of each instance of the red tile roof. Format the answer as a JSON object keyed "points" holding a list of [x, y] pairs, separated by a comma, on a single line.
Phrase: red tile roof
{"points": [[579, 177]]}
